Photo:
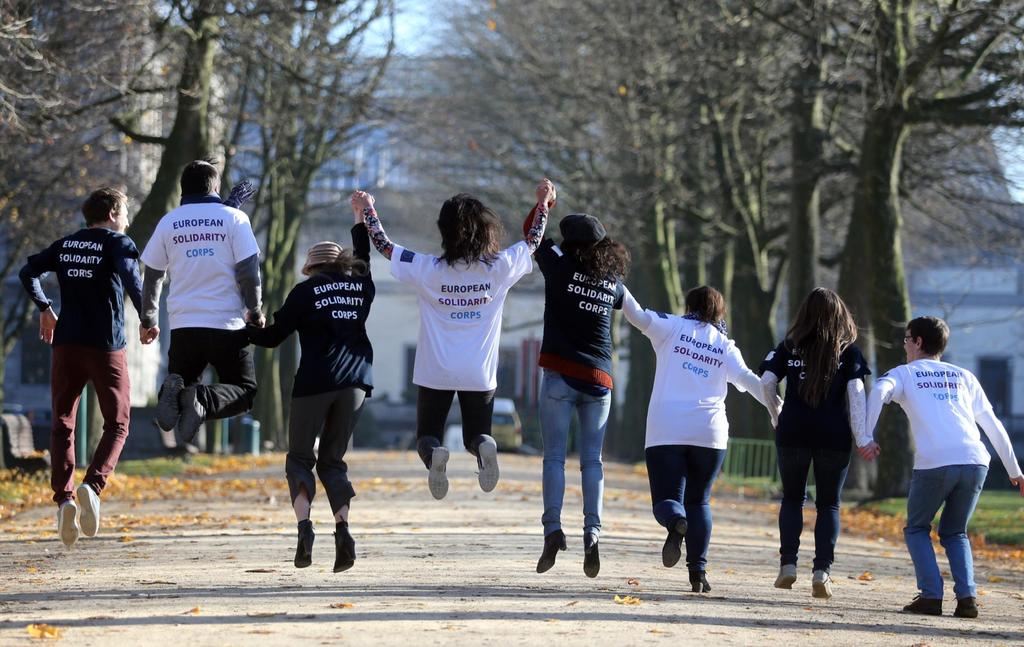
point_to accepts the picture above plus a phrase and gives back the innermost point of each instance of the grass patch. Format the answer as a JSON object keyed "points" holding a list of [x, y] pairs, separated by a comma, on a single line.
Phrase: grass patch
{"points": [[999, 517]]}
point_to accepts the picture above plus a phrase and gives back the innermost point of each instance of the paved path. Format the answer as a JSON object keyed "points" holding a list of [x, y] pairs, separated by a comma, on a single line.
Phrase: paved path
{"points": [[215, 569]]}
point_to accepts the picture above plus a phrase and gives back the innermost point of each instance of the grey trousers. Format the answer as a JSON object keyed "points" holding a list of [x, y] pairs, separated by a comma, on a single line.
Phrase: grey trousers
{"points": [[332, 416]]}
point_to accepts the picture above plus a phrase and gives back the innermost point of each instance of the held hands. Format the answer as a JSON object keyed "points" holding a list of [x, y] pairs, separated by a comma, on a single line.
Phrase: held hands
{"points": [[47, 323], [360, 200], [240, 194], [1019, 482], [546, 193], [148, 335], [871, 451], [255, 318]]}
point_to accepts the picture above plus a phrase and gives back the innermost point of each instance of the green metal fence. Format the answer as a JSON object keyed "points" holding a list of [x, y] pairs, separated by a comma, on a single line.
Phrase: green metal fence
{"points": [[750, 458]]}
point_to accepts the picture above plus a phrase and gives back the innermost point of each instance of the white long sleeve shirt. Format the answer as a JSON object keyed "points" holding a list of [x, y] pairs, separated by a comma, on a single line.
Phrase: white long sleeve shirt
{"points": [[945, 405]]}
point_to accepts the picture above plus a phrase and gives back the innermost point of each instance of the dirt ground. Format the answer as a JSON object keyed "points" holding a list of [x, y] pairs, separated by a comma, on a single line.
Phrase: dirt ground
{"points": [[214, 568]]}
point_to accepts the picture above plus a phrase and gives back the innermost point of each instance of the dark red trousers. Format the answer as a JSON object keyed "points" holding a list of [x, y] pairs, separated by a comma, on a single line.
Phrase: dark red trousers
{"points": [[72, 367]]}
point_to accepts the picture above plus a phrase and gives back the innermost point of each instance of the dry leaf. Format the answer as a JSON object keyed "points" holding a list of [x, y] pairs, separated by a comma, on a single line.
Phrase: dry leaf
{"points": [[866, 576], [152, 582], [31, 569], [125, 539], [342, 605], [628, 600], [633, 581], [193, 611], [261, 570], [45, 632], [573, 603], [995, 579]]}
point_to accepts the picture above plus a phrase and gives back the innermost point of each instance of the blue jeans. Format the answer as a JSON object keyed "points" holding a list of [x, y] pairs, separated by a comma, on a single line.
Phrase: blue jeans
{"points": [[957, 487], [830, 469], [681, 477], [557, 402]]}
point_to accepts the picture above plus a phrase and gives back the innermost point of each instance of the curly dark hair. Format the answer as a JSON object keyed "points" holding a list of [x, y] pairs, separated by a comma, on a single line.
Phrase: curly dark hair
{"points": [[470, 231], [605, 259]]}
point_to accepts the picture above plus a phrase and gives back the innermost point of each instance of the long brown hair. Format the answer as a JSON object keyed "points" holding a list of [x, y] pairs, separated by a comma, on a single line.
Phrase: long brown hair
{"points": [[470, 231], [822, 330], [605, 259]]}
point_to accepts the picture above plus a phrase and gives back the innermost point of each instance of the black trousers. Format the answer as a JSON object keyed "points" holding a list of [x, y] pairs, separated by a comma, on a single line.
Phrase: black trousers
{"points": [[432, 407], [332, 416], [227, 351]]}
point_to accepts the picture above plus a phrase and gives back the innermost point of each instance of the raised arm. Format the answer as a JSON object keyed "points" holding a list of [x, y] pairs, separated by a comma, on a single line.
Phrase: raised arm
{"points": [[363, 202], [545, 198], [637, 316]]}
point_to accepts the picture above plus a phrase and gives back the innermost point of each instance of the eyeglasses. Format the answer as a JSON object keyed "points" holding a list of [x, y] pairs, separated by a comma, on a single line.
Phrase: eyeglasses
{"points": [[907, 338]]}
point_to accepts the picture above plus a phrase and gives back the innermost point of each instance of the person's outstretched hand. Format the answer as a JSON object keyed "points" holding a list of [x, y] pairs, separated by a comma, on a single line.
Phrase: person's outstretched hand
{"points": [[870, 451], [546, 193], [240, 194], [361, 200]]}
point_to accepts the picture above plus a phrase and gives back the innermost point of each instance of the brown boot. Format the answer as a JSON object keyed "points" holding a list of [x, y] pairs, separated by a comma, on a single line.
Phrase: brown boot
{"points": [[925, 606], [966, 608]]}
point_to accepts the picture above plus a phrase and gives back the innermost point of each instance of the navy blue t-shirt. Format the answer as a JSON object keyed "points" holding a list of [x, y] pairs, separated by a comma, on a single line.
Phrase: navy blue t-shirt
{"points": [[94, 268], [329, 311], [826, 426], [577, 313]]}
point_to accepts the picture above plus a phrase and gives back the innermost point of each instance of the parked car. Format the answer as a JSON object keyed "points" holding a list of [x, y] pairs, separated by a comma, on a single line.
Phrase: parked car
{"points": [[506, 427]]}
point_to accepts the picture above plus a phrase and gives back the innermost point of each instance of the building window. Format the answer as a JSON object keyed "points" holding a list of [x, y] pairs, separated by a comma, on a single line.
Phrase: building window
{"points": [[997, 380]]}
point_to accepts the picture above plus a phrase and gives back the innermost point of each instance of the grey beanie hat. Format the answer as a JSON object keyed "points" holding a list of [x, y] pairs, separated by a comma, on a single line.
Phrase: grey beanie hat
{"points": [[581, 228]]}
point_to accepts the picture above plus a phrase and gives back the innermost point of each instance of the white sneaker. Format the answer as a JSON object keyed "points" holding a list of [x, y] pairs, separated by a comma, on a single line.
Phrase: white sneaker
{"points": [[488, 462], [90, 509], [437, 478], [787, 576], [67, 523], [821, 585]]}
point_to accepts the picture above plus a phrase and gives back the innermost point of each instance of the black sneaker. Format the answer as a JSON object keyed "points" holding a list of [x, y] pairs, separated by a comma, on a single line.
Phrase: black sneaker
{"points": [[304, 549], [966, 608], [591, 555], [699, 582], [925, 606], [344, 548], [554, 541], [193, 414], [167, 407], [671, 551]]}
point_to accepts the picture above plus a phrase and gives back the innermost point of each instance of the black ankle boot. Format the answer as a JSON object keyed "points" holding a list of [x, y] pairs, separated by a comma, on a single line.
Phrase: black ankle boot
{"points": [[554, 541], [699, 582], [672, 550], [304, 549], [591, 555], [344, 547]]}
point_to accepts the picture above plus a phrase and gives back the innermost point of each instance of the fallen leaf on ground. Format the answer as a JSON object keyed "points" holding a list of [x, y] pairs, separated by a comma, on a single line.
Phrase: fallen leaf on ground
{"points": [[31, 569], [193, 611], [995, 579], [573, 603], [343, 605], [866, 576], [633, 581], [261, 570], [627, 600], [152, 582], [44, 632], [125, 539]]}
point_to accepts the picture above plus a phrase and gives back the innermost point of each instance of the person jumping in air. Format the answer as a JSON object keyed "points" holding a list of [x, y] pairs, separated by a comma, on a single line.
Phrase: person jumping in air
{"points": [[95, 267], [582, 285], [208, 251], [329, 311], [687, 428], [945, 405], [461, 296], [823, 409]]}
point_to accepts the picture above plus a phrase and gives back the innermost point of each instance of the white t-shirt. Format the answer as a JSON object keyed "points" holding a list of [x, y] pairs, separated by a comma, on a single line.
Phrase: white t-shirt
{"points": [[695, 364], [198, 245], [460, 315], [942, 401]]}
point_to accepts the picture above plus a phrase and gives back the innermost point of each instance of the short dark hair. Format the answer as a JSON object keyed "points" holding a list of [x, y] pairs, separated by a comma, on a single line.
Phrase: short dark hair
{"points": [[200, 177], [934, 334], [101, 203], [706, 303]]}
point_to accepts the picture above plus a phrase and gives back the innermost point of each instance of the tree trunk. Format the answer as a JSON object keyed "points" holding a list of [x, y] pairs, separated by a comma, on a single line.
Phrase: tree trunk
{"points": [[189, 138], [268, 407], [807, 133], [877, 210]]}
